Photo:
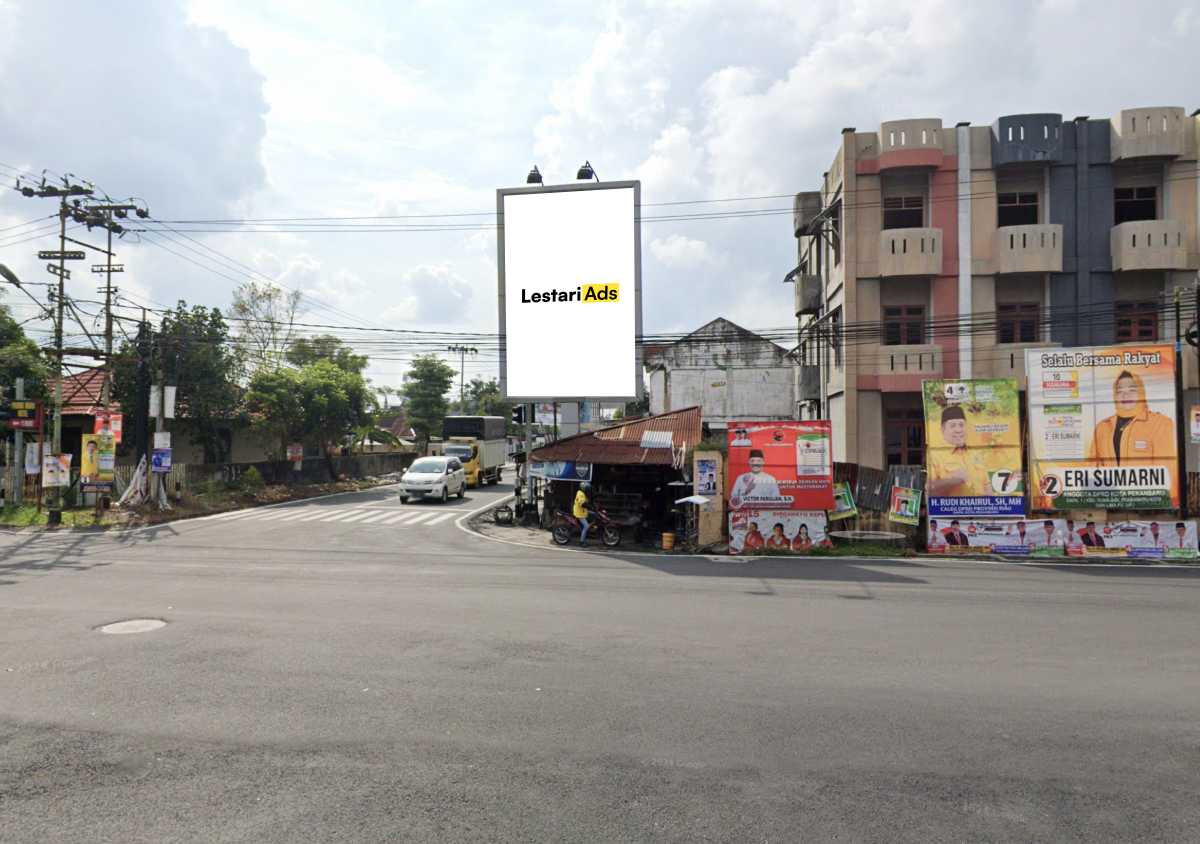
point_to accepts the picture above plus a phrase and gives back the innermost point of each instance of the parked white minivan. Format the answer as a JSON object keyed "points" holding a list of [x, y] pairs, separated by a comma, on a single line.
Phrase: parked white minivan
{"points": [[436, 477]]}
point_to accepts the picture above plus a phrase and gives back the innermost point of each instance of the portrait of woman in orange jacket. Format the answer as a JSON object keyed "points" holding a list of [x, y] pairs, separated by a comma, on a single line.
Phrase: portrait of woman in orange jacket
{"points": [[1135, 434]]}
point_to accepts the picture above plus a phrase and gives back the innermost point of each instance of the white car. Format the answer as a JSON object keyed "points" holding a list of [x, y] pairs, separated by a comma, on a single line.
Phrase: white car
{"points": [[439, 477]]}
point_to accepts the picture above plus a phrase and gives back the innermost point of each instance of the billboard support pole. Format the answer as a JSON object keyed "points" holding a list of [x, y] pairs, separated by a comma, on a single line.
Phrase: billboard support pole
{"points": [[529, 457], [1181, 422]]}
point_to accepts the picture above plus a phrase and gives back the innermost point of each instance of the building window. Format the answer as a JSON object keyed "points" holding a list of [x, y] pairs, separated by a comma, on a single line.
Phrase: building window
{"points": [[835, 339], [904, 437], [1017, 209], [904, 212], [1131, 204], [1017, 322], [835, 222], [904, 325], [1137, 321]]}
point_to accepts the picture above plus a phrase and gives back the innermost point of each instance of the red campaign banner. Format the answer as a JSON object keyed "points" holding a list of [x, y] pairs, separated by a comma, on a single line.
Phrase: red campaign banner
{"points": [[109, 424], [780, 465]]}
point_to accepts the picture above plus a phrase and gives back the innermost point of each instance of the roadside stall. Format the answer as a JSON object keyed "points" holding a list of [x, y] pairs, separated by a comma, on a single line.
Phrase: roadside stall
{"points": [[635, 469]]}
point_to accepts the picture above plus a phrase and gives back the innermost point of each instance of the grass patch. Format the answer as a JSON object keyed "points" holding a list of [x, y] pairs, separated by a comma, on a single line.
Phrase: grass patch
{"points": [[27, 515]]}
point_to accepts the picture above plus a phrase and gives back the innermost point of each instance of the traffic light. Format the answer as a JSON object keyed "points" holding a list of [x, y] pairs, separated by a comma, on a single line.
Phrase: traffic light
{"points": [[518, 415]]}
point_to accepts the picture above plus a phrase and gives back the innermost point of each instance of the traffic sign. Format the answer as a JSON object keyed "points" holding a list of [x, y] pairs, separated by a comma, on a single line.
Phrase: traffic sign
{"points": [[104, 268], [27, 416], [53, 268], [57, 255], [1193, 335]]}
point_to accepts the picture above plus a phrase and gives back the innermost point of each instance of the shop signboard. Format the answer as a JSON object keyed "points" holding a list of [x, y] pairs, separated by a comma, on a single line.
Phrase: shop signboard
{"points": [[1102, 428], [562, 470], [905, 505], [777, 531], [973, 447], [784, 465]]}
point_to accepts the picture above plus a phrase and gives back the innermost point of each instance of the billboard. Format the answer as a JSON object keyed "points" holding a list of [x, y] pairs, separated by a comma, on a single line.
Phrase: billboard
{"points": [[777, 532], [1102, 428], [570, 291], [1018, 537], [1170, 539], [973, 447], [780, 465]]}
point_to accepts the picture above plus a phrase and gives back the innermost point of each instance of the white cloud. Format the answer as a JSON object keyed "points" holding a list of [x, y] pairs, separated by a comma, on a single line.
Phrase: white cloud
{"points": [[679, 251], [431, 295]]}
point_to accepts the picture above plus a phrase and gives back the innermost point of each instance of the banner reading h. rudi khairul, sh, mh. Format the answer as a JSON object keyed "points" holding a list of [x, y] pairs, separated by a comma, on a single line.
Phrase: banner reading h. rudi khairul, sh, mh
{"points": [[1102, 428], [973, 448]]}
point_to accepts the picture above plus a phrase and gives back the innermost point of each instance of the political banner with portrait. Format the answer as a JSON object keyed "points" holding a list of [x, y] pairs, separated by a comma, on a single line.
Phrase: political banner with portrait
{"points": [[786, 465], [1014, 537], [973, 447], [904, 505], [97, 463], [1102, 428], [777, 531], [1170, 539]]}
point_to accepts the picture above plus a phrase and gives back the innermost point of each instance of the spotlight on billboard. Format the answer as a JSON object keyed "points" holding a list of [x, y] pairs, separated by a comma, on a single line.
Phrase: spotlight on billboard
{"points": [[570, 274]]}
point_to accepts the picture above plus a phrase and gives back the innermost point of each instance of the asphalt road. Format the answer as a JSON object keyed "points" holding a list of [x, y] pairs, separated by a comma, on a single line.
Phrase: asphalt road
{"points": [[379, 677]]}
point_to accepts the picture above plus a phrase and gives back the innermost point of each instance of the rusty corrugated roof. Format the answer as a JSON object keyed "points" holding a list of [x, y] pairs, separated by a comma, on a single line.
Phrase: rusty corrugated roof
{"points": [[621, 444]]}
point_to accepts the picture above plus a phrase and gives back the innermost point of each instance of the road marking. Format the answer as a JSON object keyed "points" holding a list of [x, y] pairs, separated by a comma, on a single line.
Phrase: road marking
{"points": [[237, 514], [270, 517], [420, 518], [440, 517], [338, 515], [376, 517], [303, 514], [355, 517], [398, 518]]}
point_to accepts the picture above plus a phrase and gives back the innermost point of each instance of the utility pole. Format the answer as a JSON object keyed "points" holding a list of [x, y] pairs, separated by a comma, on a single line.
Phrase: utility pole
{"points": [[462, 369], [18, 474]]}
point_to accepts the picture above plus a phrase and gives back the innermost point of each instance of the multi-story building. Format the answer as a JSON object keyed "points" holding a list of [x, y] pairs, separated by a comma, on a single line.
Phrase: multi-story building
{"points": [[936, 252]]}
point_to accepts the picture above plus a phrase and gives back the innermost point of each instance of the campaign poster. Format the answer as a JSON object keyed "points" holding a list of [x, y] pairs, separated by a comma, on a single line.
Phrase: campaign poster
{"points": [[1194, 423], [777, 531], [973, 448], [905, 505], [843, 502], [56, 470], [97, 463], [780, 465], [1102, 428], [562, 470], [33, 459], [160, 461], [706, 476], [107, 424], [1168, 539], [89, 458], [1013, 537]]}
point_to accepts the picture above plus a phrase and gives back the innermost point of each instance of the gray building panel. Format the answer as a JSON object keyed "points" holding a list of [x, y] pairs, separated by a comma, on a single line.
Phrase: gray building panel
{"points": [[1027, 139]]}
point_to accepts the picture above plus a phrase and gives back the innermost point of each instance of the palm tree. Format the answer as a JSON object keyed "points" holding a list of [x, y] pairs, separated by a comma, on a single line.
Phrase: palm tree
{"points": [[385, 392]]}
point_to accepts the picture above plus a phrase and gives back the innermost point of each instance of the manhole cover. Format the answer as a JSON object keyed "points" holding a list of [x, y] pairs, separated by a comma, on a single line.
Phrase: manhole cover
{"points": [[133, 625]]}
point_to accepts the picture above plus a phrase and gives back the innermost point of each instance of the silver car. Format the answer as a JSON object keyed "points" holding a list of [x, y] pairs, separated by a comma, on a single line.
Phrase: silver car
{"points": [[434, 477]]}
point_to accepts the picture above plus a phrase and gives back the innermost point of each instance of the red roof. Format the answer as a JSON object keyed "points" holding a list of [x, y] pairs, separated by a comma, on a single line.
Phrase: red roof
{"points": [[622, 444], [81, 393]]}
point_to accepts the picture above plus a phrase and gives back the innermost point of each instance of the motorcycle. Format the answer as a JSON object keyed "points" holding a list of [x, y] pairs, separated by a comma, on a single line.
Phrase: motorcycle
{"points": [[566, 526]]}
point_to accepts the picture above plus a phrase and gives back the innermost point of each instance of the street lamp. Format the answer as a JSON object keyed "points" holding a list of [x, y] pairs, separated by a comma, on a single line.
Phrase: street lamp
{"points": [[586, 172], [534, 177], [9, 276]]}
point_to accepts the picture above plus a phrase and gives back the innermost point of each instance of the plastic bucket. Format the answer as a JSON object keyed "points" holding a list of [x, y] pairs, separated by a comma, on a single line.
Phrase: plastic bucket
{"points": [[668, 541]]}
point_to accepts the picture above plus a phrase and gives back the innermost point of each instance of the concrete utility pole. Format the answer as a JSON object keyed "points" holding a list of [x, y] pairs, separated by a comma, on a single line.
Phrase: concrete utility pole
{"points": [[462, 369], [18, 467]]}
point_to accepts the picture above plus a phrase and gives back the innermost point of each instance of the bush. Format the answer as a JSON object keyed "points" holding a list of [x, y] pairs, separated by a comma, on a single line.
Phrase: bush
{"points": [[252, 480]]}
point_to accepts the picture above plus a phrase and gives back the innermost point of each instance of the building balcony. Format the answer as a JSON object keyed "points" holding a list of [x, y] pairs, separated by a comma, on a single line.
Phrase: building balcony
{"points": [[808, 294], [1008, 360], [1149, 245], [910, 143], [1148, 133], [1029, 249], [810, 382], [906, 252], [922, 359], [1026, 139], [805, 207]]}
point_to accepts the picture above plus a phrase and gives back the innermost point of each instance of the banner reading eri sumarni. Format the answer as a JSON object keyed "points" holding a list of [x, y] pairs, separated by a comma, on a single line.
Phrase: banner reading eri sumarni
{"points": [[1102, 428], [973, 448]]}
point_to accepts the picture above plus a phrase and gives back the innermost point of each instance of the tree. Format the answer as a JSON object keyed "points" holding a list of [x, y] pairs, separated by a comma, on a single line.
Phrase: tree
{"points": [[193, 347], [20, 357], [266, 318], [305, 350], [425, 392], [385, 391], [484, 399]]}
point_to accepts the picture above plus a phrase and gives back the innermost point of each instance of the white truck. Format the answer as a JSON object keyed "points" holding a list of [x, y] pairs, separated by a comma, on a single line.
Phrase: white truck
{"points": [[479, 444]]}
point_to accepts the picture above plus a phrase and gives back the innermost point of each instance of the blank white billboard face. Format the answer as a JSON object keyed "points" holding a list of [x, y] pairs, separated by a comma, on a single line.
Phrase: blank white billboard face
{"points": [[570, 307]]}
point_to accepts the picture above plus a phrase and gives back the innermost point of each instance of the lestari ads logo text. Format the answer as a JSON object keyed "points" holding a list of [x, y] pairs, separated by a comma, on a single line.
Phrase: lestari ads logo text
{"points": [[585, 293]]}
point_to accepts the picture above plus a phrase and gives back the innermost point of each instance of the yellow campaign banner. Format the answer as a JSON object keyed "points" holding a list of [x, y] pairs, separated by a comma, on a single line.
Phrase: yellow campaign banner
{"points": [[1102, 428], [97, 460], [973, 447]]}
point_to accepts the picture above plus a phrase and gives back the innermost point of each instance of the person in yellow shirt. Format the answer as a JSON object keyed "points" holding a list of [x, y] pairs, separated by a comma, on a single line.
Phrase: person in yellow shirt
{"points": [[961, 470], [580, 511], [1135, 434]]}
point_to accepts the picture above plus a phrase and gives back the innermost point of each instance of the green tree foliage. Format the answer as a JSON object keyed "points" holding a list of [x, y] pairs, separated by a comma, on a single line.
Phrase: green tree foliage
{"points": [[318, 404], [192, 346], [21, 358], [483, 399], [308, 350], [425, 393]]}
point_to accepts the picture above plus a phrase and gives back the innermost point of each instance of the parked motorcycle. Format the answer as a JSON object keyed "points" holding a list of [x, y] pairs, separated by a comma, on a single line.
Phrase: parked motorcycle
{"points": [[565, 526]]}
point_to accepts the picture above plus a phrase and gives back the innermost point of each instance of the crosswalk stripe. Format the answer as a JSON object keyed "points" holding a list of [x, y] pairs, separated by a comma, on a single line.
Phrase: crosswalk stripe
{"points": [[270, 517], [355, 517], [421, 518], [238, 514], [338, 515], [304, 512], [375, 517], [441, 517], [316, 514], [402, 516]]}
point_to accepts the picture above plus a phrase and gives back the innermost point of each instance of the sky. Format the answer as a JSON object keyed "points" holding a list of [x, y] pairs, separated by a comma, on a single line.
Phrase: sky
{"points": [[234, 109]]}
